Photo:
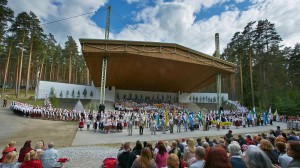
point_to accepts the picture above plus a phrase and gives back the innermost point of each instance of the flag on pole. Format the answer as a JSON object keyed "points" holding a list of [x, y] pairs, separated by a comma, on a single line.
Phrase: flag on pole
{"points": [[174, 112], [167, 116], [199, 116], [157, 120]]}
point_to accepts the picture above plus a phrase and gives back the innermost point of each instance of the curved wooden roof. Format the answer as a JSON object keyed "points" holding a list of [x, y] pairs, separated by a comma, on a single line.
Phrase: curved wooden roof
{"points": [[152, 66]]}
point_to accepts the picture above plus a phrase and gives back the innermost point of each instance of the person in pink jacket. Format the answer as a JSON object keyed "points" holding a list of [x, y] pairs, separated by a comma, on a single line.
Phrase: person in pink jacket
{"points": [[161, 157]]}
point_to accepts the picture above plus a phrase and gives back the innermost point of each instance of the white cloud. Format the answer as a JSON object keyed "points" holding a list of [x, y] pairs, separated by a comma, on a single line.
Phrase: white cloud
{"points": [[168, 21], [239, 1], [51, 10], [132, 1]]}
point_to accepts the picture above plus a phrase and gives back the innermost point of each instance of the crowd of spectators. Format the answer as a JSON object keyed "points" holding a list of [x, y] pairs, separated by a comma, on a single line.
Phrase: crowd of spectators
{"points": [[257, 151], [28, 156]]}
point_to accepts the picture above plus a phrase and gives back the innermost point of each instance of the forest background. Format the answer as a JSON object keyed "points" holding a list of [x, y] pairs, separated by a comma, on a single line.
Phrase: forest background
{"points": [[267, 73]]}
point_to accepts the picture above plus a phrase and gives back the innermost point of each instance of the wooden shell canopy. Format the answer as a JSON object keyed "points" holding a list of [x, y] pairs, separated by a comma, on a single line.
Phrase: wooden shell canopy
{"points": [[151, 66]]}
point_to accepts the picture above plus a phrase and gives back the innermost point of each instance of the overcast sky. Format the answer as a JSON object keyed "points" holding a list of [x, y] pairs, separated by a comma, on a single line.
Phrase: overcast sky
{"points": [[191, 23]]}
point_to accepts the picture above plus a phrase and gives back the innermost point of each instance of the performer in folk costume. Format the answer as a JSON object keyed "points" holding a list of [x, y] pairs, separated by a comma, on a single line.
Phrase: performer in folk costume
{"points": [[152, 126], [171, 124], [136, 120], [81, 124], [119, 125], [236, 122], [141, 125], [218, 124], [130, 124], [108, 124], [163, 125], [88, 123]]}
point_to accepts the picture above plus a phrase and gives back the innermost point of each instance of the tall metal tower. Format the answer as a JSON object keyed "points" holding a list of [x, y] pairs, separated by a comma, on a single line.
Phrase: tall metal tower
{"points": [[105, 60], [217, 45]]}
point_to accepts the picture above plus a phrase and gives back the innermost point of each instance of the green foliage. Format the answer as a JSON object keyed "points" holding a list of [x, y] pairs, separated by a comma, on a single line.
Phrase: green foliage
{"points": [[53, 98]]}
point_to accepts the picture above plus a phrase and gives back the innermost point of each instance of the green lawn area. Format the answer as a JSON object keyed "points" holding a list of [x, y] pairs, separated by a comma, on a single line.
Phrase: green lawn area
{"points": [[10, 93]]}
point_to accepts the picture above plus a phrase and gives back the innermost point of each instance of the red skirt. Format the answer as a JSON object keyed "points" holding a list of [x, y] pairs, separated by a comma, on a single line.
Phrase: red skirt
{"points": [[237, 123]]}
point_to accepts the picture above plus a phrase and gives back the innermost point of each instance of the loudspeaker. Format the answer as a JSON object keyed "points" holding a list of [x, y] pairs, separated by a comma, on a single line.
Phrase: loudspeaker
{"points": [[101, 108]]}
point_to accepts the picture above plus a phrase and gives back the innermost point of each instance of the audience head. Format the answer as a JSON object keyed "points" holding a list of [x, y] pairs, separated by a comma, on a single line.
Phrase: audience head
{"points": [[280, 146], [39, 145], [51, 145], [174, 144], [205, 145], [138, 145], [293, 149], [30, 155], [27, 144], [280, 139], [256, 158], [191, 145], [145, 158], [266, 145], [127, 146], [10, 157], [173, 161], [145, 143], [162, 149], [12, 143], [217, 157], [234, 149], [200, 153]]}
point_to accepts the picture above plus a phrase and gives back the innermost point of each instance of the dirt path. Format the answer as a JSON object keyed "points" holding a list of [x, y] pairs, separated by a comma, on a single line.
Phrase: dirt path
{"points": [[20, 129]]}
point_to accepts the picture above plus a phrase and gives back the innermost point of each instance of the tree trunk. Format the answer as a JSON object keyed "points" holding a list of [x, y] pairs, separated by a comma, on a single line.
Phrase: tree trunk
{"points": [[70, 67], [57, 73], [6, 68], [51, 70], [29, 67], [241, 78], [41, 69], [21, 64], [17, 74], [251, 79]]}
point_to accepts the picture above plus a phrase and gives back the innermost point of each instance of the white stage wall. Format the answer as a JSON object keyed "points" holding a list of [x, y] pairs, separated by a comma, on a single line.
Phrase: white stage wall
{"points": [[201, 97], [65, 90]]}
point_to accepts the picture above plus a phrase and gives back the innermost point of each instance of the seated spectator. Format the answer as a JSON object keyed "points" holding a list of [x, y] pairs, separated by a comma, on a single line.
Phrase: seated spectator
{"points": [[267, 147], [50, 156], [241, 140], [189, 152], [38, 147], [172, 161], [292, 136], [8, 148], [161, 157], [199, 156], [123, 157], [217, 158], [229, 134], [135, 153], [175, 149], [24, 150], [145, 160], [255, 157], [235, 155], [293, 150], [283, 158], [30, 161], [10, 161]]}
